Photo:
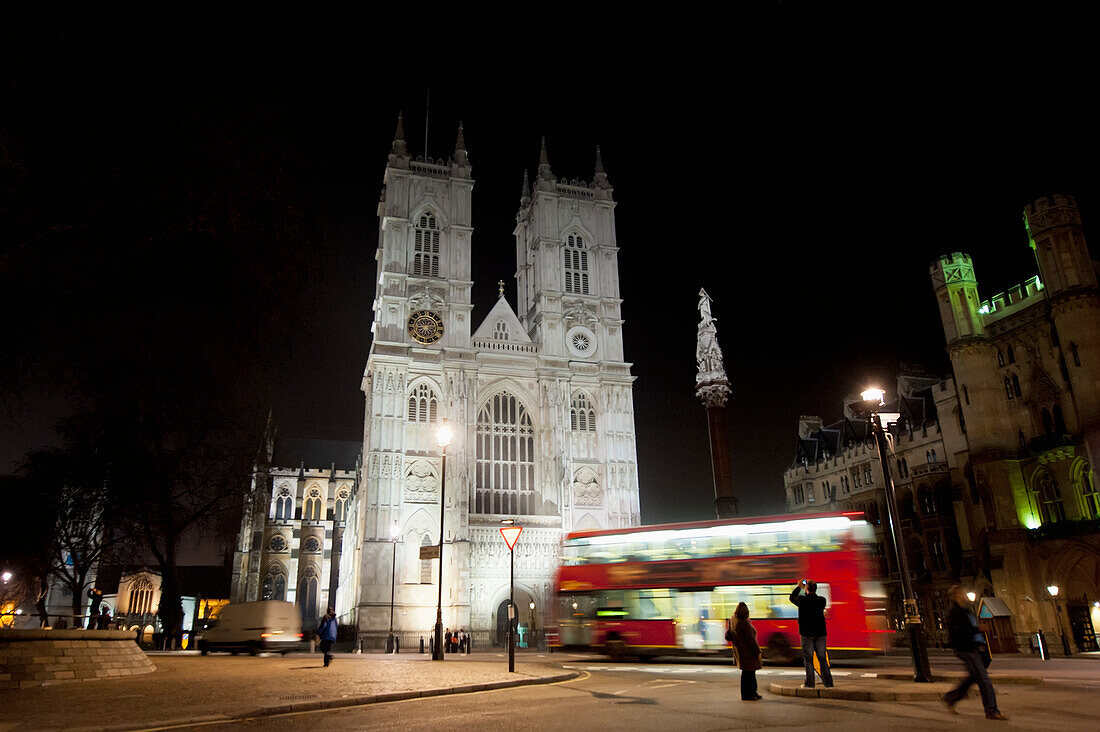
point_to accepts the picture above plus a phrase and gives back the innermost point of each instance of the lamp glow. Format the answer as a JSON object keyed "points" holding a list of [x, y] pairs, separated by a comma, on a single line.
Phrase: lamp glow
{"points": [[971, 596], [444, 435], [531, 605], [395, 531], [1053, 590], [874, 395]]}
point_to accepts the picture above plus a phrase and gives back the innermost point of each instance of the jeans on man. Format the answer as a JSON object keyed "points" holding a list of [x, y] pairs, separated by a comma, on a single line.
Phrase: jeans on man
{"points": [[326, 646], [811, 645], [976, 674]]}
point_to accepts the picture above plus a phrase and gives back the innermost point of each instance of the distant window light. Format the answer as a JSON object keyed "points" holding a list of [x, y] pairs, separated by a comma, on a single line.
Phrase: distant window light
{"points": [[810, 498], [1000, 358], [1008, 389]]}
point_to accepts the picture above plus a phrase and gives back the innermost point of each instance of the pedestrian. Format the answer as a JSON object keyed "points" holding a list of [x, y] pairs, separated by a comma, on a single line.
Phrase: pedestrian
{"points": [[326, 631], [746, 651], [970, 646], [447, 641], [104, 618], [811, 626]]}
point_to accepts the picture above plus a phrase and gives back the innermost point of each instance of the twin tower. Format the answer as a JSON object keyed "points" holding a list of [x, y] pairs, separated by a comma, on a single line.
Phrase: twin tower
{"points": [[539, 398]]}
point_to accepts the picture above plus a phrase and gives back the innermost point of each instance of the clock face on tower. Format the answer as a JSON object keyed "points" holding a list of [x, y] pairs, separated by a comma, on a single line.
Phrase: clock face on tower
{"points": [[425, 327]]}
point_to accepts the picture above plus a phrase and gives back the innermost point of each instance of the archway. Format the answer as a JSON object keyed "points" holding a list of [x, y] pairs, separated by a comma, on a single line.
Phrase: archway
{"points": [[524, 618]]}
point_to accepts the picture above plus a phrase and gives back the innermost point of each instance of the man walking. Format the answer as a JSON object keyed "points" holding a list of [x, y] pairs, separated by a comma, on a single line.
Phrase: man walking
{"points": [[326, 631], [811, 626], [967, 640]]}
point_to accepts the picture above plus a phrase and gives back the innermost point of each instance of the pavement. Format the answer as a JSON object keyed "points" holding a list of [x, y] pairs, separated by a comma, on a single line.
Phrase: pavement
{"points": [[192, 689]]}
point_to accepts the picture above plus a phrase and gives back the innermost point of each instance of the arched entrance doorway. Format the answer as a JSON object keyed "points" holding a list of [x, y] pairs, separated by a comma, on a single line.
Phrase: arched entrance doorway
{"points": [[524, 618]]}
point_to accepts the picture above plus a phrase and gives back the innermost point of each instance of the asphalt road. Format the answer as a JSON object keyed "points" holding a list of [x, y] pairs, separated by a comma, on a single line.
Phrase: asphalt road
{"points": [[704, 696]]}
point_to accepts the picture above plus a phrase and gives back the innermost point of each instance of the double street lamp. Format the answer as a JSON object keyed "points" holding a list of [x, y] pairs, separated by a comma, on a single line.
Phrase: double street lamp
{"points": [[871, 408], [443, 438]]}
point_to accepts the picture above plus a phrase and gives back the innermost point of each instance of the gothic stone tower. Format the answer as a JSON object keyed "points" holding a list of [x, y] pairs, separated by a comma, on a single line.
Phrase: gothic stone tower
{"points": [[540, 406]]}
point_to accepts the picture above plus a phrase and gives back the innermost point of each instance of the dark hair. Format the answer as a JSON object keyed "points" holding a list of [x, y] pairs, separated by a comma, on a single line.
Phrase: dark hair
{"points": [[811, 586], [742, 611]]}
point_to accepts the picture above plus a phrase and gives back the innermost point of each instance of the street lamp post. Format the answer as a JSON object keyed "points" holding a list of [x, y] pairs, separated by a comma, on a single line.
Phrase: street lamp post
{"points": [[1053, 590], [395, 530], [443, 437], [511, 533], [871, 407]]}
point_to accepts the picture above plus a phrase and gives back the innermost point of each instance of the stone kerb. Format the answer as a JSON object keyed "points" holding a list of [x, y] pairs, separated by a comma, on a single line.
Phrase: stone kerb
{"points": [[35, 657]]}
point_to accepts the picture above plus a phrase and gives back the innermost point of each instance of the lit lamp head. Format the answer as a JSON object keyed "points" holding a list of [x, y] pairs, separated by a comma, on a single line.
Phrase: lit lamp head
{"points": [[444, 435], [971, 596], [1053, 590], [395, 531], [531, 605], [7, 576], [874, 395]]}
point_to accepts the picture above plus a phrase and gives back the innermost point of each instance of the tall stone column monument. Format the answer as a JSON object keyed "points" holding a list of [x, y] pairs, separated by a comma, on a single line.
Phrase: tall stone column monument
{"points": [[712, 387]]}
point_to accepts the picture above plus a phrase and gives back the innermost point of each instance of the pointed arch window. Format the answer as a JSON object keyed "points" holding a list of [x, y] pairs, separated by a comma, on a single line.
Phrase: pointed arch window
{"points": [[307, 593], [141, 596], [425, 564], [505, 457], [284, 504], [274, 587], [340, 510], [312, 509], [582, 417], [423, 404], [1045, 487], [500, 331], [426, 246], [1011, 355], [1000, 358], [1016, 386], [576, 265], [1059, 420], [1086, 491], [1008, 389], [1048, 422]]}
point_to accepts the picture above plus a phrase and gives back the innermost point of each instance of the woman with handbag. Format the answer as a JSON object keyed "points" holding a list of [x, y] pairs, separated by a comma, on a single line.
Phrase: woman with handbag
{"points": [[746, 651]]}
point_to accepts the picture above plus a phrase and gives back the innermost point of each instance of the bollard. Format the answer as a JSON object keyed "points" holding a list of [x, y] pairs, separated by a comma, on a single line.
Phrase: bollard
{"points": [[1044, 652]]}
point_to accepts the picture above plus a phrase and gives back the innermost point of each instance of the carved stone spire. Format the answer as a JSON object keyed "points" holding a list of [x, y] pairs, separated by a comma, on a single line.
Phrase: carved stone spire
{"points": [[460, 161], [399, 155], [525, 192], [545, 174], [460, 148], [600, 181]]}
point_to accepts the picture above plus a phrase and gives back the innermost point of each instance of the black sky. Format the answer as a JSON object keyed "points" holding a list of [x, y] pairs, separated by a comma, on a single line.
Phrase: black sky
{"points": [[805, 171]]}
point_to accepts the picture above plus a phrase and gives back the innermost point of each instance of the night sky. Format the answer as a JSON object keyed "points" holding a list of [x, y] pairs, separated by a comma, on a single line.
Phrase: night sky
{"points": [[804, 178]]}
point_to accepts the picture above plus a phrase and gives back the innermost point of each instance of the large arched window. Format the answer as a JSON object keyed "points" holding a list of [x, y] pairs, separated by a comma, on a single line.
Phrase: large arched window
{"points": [[284, 504], [505, 457], [423, 405], [307, 593], [1016, 386], [141, 596], [311, 511], [274, 584], [576, 265], [1045, 488], [426, 247], [1008, 388], [582, 417]]}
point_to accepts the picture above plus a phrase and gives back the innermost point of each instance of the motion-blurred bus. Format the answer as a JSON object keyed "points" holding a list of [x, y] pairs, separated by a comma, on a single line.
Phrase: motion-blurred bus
{"points": [[669, 589]]}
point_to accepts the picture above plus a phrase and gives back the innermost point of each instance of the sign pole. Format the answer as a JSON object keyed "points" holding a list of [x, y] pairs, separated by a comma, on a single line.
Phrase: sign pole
{"points": [[511, 536]]}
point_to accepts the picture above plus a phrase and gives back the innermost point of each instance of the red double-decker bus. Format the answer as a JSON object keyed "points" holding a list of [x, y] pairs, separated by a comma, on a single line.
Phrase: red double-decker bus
{"points": [[669, 589]]}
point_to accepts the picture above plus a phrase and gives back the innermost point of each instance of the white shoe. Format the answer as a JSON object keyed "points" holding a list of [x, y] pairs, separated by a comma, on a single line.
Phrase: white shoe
{"points": [[807, 686]]}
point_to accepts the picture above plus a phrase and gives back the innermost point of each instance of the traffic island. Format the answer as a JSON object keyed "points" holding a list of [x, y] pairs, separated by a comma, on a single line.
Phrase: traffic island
{"points": [[866, 690]]}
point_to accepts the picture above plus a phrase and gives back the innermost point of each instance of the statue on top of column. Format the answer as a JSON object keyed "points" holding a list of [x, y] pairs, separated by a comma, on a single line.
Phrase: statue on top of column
{"points": [[707, 352]]}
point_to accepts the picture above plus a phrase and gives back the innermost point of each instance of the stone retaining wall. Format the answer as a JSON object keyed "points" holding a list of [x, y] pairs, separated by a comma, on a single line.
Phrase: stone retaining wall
{"points": [[37, 657]]}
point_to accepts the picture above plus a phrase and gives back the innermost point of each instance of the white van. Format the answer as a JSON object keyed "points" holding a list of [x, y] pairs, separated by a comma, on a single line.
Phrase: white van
{"points": [[268, 625]]}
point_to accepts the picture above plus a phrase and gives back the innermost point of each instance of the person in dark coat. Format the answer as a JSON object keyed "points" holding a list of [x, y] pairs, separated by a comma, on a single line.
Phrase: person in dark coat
{"points": [[811, 626], [326, 631], [747, 650], [967, 640]]}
